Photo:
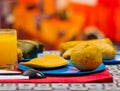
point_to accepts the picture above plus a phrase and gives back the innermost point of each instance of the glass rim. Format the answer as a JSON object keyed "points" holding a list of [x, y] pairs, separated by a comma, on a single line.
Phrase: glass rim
{"points": [[8, 31], [3, 29]]}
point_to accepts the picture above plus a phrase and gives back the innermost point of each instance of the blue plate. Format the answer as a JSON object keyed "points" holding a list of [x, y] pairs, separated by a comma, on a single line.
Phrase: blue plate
{"points": [[116, 60], [66, 70]]}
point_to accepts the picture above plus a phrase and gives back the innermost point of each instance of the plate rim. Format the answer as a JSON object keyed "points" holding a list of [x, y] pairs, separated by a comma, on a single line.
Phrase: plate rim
{"points": [[100, 68]]}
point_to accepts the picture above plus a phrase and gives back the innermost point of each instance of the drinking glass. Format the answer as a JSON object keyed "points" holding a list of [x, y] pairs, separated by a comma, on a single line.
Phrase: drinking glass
{"points": [[8, 49]]}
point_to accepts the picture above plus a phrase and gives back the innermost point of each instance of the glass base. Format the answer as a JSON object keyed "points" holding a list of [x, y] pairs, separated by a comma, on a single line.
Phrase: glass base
{"points": [[7, 67]]}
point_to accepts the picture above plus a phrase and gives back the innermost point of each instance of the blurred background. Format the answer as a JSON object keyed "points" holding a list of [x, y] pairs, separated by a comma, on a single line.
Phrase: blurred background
{"points": [[55, 21]]}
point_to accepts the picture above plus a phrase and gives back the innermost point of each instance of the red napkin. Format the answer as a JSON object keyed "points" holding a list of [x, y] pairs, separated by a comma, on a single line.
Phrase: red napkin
{"points": [[103, 76]]}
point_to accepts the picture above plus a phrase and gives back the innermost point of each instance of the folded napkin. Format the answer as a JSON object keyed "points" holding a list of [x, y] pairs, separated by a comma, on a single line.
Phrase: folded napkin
{"points": [[103, 76]]}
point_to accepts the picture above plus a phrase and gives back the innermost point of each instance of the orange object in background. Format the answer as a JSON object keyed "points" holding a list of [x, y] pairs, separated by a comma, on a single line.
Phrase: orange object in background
{"points": [[49, 6], [24, 22], [43, 21], [52, 31], [55, 31], [28, 2]]}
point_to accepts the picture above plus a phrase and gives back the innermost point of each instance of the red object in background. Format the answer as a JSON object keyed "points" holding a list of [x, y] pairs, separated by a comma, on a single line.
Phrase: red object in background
{"points": [[105, 16], [110, 3], [107, 9]]}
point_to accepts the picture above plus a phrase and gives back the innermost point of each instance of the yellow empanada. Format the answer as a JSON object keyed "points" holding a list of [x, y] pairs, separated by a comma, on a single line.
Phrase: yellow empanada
{"points": [[47, 61]]}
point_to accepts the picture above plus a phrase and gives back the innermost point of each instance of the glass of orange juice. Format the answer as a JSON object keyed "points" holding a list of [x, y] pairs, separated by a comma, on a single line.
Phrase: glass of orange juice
{"points": [[8, 49]]}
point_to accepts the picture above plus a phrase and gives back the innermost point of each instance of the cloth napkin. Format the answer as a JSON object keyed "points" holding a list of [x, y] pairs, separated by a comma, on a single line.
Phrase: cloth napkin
{"points": [[103, 76]]}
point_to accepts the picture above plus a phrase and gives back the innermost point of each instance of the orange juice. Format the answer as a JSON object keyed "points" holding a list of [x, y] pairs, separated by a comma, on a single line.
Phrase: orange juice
{"points": [[8, 49]]}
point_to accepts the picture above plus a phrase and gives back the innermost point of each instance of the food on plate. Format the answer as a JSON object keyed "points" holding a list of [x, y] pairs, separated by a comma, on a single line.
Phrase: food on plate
{"points": [[67, 53], [30, 48], [105, 45], [46, 61], [108, 51], [86, 56], [19, 53], [66, 45], [106, 40]]}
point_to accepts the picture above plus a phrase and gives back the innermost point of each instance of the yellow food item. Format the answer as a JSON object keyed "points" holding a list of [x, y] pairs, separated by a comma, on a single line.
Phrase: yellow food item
{"points": [[108, 51], [47, 61], [86, 56], [105, 45], [19, 53], [67, 45], [105, 40], [67, 53]]}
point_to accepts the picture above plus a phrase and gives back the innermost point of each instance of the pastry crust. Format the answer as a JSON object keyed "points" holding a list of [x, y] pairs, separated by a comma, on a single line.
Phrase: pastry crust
{"points": [[86, 56], [105, 45]]}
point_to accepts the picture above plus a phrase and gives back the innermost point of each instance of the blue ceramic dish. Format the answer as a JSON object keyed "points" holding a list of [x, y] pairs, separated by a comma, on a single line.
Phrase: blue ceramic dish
{"points": [[66, 70]]}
